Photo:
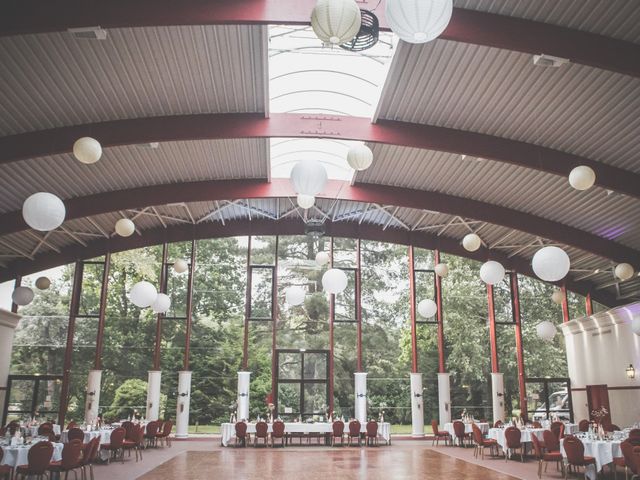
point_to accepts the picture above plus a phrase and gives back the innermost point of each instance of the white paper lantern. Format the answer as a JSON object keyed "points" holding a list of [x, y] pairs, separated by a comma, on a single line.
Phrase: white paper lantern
{"points": [[43, 283], [492, 272], [162, 303], [87, 150], [635, 326], [43, 211], [442, 269], [427, 308], [143, 294], [546, 330], [557, 296], [305, 201], [360, 157], [322, 258], [334, 281], [551, 264], [471, 242], [624, 271], [294, 295], [22, 296], [336, 21], [180, 266], [125, 227], [582, 177], [418, 21], [308, 177]]}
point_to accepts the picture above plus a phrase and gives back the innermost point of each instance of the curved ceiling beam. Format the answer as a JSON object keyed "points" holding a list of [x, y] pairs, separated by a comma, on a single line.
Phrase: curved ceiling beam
{"points": [[368, 193], [469, 26], [250, 125], [280, 227]]}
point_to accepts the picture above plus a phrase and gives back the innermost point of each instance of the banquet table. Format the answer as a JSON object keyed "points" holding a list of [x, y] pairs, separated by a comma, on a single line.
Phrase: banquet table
{"points": [[228, 430], [604, 451], [19, 455], [498, 433], [104, 435], [484, 428], [34, 430]]}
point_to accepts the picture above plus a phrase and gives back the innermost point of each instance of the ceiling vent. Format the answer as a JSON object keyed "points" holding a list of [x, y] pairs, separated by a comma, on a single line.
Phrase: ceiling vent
{"points": [[90, 33], [549, 61]]}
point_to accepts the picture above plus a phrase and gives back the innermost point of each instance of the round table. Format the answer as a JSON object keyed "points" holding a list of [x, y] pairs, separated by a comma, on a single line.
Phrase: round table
{"points": [[19, 455], [104, 435], [484, 428], [34, 430]]}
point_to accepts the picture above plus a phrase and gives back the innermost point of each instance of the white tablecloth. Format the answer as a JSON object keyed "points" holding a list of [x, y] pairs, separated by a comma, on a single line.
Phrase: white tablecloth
{"points": [[484, 428], [228, 430], [104, 435], [15, 456], [525, 435], [34, 430], [603, 451]]}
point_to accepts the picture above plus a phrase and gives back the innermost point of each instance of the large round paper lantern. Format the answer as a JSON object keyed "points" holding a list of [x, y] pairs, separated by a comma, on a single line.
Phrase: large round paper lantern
{"points": [[43, 211], [551, 264], [308, 177], [427, 308], [143, 294], [180, 266], [336, 21], [418, 21], [334, 281], [22, 296], [125, 227], [635, 326], [557, 296], [471, 242], [43, 283], [442, 270], [305, 201], [492, 272], [87, 150], [582, 177], [546, 330], [294, 295], [624, 271], [360, 157], [322, 258], [162, 303]]}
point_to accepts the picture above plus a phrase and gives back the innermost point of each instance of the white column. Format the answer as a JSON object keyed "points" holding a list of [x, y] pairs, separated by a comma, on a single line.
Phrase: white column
{"points": [[8, 323], [153, 394], [244, 381], [497, 392], [182, 407], [417, 406], [444, 398], [361, 397], [92, 402]]}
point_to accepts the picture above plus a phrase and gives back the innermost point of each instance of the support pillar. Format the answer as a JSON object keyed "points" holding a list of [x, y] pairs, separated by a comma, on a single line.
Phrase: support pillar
{"points": [[497, 392], [360, 411], [244, 381], [182, 407], [8, 323], [153, 394], [92, 402], [417, 405], [444, 397]]}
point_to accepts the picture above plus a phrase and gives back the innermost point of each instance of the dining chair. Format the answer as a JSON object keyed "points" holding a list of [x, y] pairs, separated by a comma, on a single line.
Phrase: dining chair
{"points": [[610, 427], [277, 432], [164, 436], [128, 428], [115, 445], [558, 429], [75, 434], [71, 425], [512, 437], [459, 432], [634, 437], [136, 443], [71, 459], [262, 429], [354, 432], [38, 459], [337, 431], [574, 450], [241, 434], [481, 443], [6, 471], [583, 425], [545, 457], [437, 434], [44, 429], [89, 454], [631, 455], [551, 442], [498, 424], [150, 433], [372, 433]]}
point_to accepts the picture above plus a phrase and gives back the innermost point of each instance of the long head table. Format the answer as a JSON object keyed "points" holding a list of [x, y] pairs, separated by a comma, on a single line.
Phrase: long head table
{"points": [[228, 430]]}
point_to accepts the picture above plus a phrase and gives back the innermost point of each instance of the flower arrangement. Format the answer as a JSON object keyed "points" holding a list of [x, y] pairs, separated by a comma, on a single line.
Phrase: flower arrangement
{"points": [[599, 414]]}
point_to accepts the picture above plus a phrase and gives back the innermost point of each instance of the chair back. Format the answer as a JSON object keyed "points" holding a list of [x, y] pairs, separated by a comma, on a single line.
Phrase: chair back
{"points": [[536, 424], [354, 428], [45, 428], [610, 427], [634, 437], [241, 429], [71, 425], [152, 429], [477, 434], [71, 454], [583, 425], [117, 438], [261, 429], [128, 428], [512, 437], [89, 450], [558, 429], [631, 459], [434, 427], [551, 442], [458, 429], [139, 436], [498, 424], [39, 457], [372, 429], [277, 429], [75, 434], [574, 449], [166, 428], [338, 428], [537, 448]]}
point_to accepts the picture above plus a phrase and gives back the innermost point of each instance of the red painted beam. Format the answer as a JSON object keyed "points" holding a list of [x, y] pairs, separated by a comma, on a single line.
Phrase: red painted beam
{"points": [[255, 125], [469, 26], [366, 193]]}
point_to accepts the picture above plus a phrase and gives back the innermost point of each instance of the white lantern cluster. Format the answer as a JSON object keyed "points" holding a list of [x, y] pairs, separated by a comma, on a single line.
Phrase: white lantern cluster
{"points": [[308, 178], [125, 227], [336, 21], [360, 157], [322, 258], [162, 303], [427, 308], [442, 270], [418, 21], [143, 294], [334, 281], [22, 296], [624, 271], [492, 272], [557, 296], [180, 266], [582, 177], [87, 150], [471, 242], [551, 263], [43, 211], [546, 330], [305, 201], [294, 295]]}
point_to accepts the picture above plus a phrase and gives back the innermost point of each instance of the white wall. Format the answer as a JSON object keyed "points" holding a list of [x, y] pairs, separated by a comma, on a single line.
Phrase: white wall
{"points": [[599, 350]]}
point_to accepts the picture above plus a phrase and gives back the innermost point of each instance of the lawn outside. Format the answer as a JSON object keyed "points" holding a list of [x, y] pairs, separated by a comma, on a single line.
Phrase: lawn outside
{"points": [[215, 429]]}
